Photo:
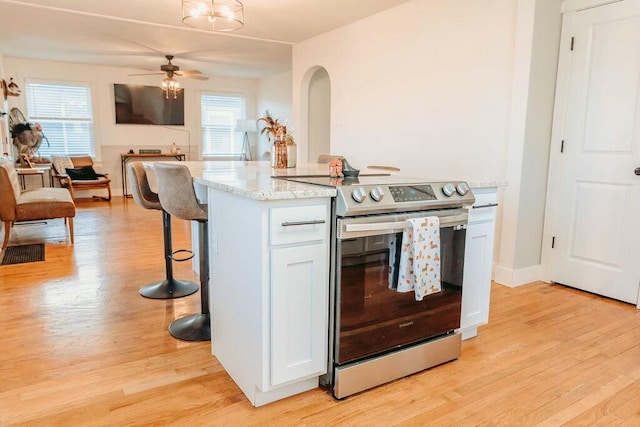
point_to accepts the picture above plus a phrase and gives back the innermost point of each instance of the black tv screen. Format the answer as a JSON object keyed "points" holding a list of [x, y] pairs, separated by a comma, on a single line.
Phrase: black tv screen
{"points": [[147, 105]]}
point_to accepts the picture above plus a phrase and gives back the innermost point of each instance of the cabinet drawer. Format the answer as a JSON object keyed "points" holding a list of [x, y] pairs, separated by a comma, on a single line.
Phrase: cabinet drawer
{"points": [[298, 224], [485, 206]]}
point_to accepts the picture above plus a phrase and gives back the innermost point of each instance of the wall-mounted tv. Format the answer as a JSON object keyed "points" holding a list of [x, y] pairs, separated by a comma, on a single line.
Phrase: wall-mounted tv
{"points": [[147, 105]]}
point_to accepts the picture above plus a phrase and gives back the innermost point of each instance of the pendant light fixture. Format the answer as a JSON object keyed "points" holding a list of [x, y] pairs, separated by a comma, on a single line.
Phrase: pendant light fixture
{"points": [[213, 15]]}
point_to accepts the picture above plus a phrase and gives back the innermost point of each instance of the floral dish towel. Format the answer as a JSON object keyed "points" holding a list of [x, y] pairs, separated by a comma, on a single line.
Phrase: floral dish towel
{"points": [[419, 269]]}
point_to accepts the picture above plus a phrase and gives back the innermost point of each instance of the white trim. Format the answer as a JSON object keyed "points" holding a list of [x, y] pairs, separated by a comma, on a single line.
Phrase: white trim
{"points": [[557, 135], [576, 5], [513, 278]]}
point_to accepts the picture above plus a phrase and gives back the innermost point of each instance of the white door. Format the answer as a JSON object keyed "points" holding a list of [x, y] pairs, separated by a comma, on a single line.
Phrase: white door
{"points": [[597, 232]]}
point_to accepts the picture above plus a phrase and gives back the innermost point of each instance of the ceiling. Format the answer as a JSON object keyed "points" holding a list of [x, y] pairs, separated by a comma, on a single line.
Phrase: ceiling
{"points": [[138, 33]]}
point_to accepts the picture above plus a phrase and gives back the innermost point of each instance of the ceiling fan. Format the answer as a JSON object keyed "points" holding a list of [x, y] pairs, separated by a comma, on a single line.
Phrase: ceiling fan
{"points": [[173, 70]]}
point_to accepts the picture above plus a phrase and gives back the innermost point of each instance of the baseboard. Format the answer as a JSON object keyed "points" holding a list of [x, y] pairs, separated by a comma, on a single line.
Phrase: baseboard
{"points": [[513, 278]]}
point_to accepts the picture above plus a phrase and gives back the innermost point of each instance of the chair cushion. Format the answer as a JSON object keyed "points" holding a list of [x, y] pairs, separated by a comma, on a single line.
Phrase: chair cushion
{"points": [[44, 203], [83, 174]]}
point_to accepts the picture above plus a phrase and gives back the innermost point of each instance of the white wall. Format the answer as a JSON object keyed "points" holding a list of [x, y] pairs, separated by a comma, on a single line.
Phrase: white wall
{"points": [[274, 95], [522, 217], [425, 86], [453, 89], [112, 139]]}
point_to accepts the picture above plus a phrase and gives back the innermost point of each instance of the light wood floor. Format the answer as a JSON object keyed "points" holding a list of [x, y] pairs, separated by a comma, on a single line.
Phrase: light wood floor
{"points": [[80, 347]]}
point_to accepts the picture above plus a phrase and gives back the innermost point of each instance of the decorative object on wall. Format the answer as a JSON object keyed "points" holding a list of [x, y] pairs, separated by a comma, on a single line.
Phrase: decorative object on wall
{"points": [[246, 126], [213, 15], [170, 84], [13, 89], [10, 89]]}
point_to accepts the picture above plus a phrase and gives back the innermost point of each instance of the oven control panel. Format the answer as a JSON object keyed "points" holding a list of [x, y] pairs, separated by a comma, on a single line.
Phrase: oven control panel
{"points": [[362, 199], [412, 193]]}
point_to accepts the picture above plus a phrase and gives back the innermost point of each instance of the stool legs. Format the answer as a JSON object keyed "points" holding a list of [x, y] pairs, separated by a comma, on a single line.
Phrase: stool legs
{"points": [[197, 327], [170, 287]]}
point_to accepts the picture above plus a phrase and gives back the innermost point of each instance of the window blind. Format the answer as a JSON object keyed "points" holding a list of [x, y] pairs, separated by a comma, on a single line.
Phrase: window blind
{"points": [[65, 114], [219, 116]]}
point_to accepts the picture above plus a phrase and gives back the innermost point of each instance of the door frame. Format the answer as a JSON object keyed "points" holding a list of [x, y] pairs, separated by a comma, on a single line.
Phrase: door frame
{"points": [[569, 10]]}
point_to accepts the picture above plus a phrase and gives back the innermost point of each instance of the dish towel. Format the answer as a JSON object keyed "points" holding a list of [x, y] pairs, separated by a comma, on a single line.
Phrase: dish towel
{"points": [[419, 269]]}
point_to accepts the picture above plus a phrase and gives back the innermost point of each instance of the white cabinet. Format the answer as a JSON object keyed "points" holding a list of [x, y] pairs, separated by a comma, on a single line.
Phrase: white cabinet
{"points": [[269, 292], [478, 263], [299, 293]]}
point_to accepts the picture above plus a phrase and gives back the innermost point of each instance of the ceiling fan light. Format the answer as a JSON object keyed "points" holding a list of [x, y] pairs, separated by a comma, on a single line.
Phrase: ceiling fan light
{"points": [[170, 86], [231, 12]]}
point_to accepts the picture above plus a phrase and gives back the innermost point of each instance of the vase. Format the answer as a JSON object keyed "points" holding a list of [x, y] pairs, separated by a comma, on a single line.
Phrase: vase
{"points": [[279, 153], [291, 153]]}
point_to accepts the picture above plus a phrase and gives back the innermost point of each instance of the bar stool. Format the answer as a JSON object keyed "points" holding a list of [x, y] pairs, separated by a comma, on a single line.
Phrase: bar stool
{"points": [[143, 195], [178, 197]]}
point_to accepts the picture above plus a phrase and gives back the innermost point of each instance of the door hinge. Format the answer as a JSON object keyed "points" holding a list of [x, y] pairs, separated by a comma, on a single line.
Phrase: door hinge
{"points": [[553, 242], [572, 40], [562, 146]]}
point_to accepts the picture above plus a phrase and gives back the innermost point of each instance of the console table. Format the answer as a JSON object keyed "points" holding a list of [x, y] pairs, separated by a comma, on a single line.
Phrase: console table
{"points": [[127, 157]]}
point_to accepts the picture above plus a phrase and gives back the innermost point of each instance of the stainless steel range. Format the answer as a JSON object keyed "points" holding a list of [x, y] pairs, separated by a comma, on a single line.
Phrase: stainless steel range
{"points": [[376, 333]]}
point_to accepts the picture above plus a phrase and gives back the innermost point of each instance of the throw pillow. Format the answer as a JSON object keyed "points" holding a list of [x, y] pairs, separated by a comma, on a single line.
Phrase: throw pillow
{"points": [[85, 173]]}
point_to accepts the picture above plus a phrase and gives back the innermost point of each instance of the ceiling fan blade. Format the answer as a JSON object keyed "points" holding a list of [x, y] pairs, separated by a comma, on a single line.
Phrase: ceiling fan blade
{"points": [[189, 73], [192, 74], [145, 74]]}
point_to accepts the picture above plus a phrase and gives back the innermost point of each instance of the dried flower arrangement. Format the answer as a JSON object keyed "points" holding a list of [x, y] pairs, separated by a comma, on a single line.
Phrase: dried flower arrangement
{"points": [[279, 136]]}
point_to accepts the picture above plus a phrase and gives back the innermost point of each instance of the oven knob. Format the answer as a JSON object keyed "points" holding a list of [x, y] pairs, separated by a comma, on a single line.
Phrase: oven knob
{"points": [[448, 190], [359, 195], [462, 188], [377, 194]]}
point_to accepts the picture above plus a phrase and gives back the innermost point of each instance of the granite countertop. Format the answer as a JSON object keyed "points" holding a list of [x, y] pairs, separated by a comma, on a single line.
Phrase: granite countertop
{"points": [[254, 179]]}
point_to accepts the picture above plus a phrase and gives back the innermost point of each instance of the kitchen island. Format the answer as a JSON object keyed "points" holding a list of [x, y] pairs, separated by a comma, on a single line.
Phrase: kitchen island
{"points": [[269, 257]]}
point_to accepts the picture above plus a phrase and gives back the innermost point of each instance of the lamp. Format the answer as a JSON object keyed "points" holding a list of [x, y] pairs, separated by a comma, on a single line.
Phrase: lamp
{"points": [[214, 15], [170, 85], [246, 126]]}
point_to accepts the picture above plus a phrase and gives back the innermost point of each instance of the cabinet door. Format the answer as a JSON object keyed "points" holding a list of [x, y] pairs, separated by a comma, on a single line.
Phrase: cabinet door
{"points": [[478, 263], [299, 297]]}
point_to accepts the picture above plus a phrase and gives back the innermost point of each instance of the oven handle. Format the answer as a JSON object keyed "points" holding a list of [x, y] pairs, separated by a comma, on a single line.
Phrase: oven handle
{"points": [[397, 225]]}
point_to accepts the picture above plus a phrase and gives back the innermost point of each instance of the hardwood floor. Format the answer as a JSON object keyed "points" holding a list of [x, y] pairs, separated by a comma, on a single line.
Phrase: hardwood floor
{"points": [[80, 347]]}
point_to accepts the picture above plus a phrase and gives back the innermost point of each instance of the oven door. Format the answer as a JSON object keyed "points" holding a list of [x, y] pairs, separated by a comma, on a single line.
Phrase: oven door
{"points": [[373, 318]]}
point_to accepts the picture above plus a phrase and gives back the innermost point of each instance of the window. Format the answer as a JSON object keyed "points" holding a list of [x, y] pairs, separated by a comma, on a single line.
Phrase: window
{"points": [[65, 114], [219, 116]]}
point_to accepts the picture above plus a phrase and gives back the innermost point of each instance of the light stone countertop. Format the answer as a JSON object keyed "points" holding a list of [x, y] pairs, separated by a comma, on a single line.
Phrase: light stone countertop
{"points": [[253, 179]]}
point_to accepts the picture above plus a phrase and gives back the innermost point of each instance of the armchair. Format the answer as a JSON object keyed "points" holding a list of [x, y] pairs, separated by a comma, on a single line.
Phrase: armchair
{"points": [[76, 173], [39, 204]]}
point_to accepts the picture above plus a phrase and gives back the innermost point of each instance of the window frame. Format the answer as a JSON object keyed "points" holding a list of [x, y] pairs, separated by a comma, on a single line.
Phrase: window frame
{"points": [[243, 115], [92, 100]]}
